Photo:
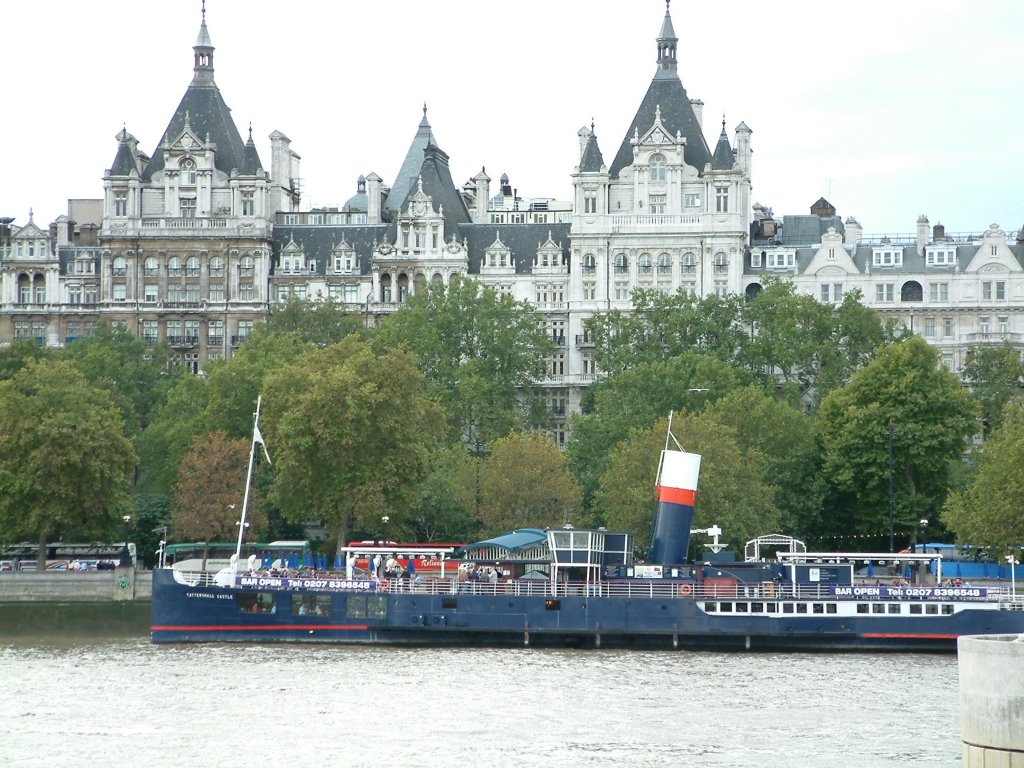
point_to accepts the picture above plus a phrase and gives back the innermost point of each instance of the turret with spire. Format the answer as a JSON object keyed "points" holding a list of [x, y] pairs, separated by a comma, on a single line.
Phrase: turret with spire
{"points": [[667, 41], [203, 48]]}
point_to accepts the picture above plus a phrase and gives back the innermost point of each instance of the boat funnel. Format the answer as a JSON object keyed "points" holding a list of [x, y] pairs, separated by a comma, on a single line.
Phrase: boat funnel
{"points": [[676, 494]]}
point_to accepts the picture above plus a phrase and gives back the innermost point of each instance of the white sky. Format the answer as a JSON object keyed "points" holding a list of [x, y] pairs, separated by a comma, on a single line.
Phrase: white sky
{"points": [[889, 108]]}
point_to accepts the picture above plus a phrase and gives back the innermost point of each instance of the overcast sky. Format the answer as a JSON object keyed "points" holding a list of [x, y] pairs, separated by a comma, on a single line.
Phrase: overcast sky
{"points": [[890, 109]]}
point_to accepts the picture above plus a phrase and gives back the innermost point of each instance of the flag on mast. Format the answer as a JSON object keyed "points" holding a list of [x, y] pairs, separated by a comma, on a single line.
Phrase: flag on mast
{"points": [[258, 437]]}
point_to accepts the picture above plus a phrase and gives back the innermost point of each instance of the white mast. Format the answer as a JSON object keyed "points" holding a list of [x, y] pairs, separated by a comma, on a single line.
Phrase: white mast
{"points": [[256, 438]]}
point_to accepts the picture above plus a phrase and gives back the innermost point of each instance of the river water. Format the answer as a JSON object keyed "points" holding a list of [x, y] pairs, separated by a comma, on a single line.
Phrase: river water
{"points": [[118, 701]]}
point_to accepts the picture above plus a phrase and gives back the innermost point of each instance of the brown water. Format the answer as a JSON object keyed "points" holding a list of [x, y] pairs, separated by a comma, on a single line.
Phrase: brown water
{"points": [[87, 703]]}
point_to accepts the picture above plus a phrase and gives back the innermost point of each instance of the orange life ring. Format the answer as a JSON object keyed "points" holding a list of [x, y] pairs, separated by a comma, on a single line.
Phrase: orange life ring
{"points": [[685, 590]]}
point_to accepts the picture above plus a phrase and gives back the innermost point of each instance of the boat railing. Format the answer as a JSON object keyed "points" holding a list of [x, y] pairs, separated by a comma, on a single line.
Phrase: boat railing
{"points": [[1007, 598]]}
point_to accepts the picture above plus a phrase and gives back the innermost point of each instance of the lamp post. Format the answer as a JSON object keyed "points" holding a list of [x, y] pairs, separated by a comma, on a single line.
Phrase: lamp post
{"points": [[1012, 561], [126, 558]]}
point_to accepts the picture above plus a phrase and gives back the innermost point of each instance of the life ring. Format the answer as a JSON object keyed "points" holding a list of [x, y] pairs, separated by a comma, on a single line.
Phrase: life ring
{"points": [[382, 585], [685, 590]]}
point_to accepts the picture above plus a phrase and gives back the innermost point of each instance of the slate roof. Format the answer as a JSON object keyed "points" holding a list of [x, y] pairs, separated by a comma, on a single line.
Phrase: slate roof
{"points": [[724, 159], [592, 160], [406, 178], [251, 165], [124, 160], [208, 116], [318, 241], [677, 114], [437, 182], [521, 239]]}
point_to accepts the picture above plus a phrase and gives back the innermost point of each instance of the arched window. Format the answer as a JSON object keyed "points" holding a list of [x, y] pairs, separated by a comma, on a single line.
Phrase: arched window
{"points": [[589, 264], [664, 264], [644, 265], [753, 290], [385, 288], [403, 287], [689, 263], [657, 168], [188, 172], [120, 266], [216, 267], [192, 267], [621, 264], [420, 283], [247, 266], [174, 267], [721, 262], [152, 268], [911, 291], [436, 278]]}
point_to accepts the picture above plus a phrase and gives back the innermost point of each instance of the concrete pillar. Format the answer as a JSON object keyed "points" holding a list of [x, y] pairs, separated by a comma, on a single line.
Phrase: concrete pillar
{"points": [[992, 700]]}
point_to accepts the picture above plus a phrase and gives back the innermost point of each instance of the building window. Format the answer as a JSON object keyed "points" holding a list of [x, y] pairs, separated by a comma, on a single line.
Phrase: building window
{"points": [[590, 201], [692, 200], [91, 294], [621, 264], [947, 363], [217, 292], [188, 207], [244, 330], [689, 263], [885, 292], [192, 267], [192, 293], [781, 260], [174, 267], [151, 293], [589, 291], [929, 327], [721, 263], [174, 294], [216, 267], [826, 293], [246, 292], [214, 333], [120, 203], [887, 257], [41, 295], [589, 264], [622, 291], [74, 294], [247, 267], [188, 172], [152, 267], [664, 264], [1000, 290], [657, 204], [644, 265], [657, 170], [119, 292], [938, 291], [248, 202], [120, 266], [983, 324], [1004, 323], [722, 199], [939, 257], [947, 327]]}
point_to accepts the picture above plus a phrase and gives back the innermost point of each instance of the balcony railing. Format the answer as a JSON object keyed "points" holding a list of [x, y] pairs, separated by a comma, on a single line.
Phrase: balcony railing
{"points": [[214, 341], [237, 341], [582, 340]]}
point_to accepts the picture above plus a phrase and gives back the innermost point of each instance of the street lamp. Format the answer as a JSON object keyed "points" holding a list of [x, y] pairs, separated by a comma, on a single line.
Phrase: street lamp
{"points": [[126, 558], [1012, 561]]}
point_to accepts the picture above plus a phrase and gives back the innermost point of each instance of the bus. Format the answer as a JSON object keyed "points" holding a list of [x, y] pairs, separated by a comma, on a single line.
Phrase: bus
{"points": [[189, 556], [66, 557]]}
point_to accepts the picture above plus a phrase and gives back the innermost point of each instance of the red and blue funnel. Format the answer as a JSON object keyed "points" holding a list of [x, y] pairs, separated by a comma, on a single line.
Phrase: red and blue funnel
{"points": [[676, 494]]}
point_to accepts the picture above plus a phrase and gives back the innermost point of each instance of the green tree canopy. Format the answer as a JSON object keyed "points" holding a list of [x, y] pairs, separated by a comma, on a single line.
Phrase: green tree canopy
{"points": [[525, 483], [352, 435], [989, 512], [17, 354], [995, 375], [483, 355], [319, 322], [932, 417], [65, 463], [445, 508]]}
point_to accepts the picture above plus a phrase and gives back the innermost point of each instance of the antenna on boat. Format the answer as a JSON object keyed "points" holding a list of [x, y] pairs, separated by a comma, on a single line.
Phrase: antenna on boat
{"points": [[669, 435], [256, 438]]}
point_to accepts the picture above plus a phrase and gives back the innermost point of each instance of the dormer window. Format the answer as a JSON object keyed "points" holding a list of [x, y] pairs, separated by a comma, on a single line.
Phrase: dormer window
{"points": [[887, 257], [940, 257], [188, 172], [657, 168], [780, 259]]}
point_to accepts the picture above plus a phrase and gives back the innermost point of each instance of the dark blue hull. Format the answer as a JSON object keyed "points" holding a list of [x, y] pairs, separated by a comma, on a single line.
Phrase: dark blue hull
{"points": [[183, 613]]}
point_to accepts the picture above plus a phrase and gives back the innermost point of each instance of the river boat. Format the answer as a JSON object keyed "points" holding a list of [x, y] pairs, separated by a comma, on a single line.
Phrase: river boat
{"points": [[583, 588]]}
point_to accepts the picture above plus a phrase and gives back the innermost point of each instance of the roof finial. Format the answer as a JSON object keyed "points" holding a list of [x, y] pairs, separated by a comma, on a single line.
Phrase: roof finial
{"points": [[723, 123], [29, 215], [424, 108], [250, 122], [204, 11], [591, 124]]}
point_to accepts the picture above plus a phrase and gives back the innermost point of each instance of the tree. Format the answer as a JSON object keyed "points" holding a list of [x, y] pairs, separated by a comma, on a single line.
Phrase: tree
{"points": [[65, 464], [17, 355], [210, 492], [995, 375], [352, 434], [932, 417], [732, 491], [482, 353], [525, 483], [448, 498], [319, 322], [169, 435], [138, 378], [661, 326], [788, 441], [988, 512]]}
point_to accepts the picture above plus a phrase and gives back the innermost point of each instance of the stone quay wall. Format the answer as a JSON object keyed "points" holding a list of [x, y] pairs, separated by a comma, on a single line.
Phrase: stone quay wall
{"points": [[121, 584], [992, 700]]}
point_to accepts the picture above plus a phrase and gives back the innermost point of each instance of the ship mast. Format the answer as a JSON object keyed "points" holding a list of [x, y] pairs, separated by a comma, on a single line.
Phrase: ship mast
{"points": [[256, 438]]}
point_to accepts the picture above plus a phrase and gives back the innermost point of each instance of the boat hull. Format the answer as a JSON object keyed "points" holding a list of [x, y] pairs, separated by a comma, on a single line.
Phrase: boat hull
{"points": [[184, 613]]}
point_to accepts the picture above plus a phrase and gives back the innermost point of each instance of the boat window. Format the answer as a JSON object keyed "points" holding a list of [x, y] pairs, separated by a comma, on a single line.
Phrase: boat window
{"points": [[256, 602], [862, 607], [450, 603], [787, 607], [878, 608], [947, 609], [915, 608], [726, 607], [742, 607], [894, 608], [801, 607], [311, 605], [552, 605], [831, 608], [819, 607], [366, 606], [771, 607], [711, 607], [932, 609], [757, 607]]}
